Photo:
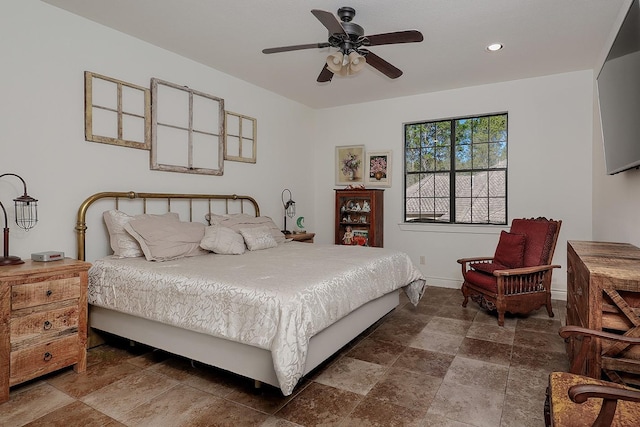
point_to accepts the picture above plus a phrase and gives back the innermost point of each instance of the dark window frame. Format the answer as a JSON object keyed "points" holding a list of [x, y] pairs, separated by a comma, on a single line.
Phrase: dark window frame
{"points": [[454, 143]]}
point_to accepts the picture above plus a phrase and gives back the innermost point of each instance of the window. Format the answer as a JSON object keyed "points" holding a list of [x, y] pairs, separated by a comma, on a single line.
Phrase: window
{"points": [[456, 170]]}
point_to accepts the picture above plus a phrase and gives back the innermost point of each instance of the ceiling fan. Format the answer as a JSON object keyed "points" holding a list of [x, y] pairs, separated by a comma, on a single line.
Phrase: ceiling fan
{"points": [[352, 45]]}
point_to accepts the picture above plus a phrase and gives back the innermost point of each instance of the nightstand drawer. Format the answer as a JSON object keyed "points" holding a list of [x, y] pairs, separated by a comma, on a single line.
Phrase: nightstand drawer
{"points": [[45, 292], [41, 359], [43, 324]]}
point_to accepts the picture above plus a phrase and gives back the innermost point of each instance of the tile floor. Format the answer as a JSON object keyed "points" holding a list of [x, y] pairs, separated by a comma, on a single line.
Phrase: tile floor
{"points": [[437, 364]]}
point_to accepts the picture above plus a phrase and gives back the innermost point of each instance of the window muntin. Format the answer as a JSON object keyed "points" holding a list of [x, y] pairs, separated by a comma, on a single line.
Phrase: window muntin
{"points": [[456, 170]]}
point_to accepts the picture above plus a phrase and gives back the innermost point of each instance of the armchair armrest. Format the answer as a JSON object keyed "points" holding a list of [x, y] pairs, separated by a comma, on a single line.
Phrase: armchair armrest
{"points": [[581, 392], [578, 363], [476, 259], [464, 262], [610, 394], [571, 331], [525, 270]]}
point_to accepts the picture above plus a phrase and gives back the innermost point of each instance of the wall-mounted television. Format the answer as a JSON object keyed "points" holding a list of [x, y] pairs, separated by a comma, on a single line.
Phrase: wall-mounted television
{"points": [[619, 96]]}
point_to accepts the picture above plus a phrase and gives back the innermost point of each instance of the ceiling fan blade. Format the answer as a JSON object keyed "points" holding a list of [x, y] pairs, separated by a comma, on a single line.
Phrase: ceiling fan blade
{"points": [[295, 47], [409, 36], [329, 20], [325, 75], [381, 65]]}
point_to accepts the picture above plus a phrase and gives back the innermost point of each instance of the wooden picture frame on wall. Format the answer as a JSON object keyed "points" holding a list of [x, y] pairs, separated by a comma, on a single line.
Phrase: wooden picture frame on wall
{"points": [[187, 130], [116, 112], [349, 164], [378, 169], [240, 138]]}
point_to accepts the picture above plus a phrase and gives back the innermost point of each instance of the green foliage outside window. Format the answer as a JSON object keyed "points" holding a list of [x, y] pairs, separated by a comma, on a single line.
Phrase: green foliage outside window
{"points": [[456, 170]]}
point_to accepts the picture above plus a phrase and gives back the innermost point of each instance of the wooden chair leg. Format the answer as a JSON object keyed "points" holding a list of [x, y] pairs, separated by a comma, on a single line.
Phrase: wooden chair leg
{"points": [[549, 307], [500, 318], [466, 297]]}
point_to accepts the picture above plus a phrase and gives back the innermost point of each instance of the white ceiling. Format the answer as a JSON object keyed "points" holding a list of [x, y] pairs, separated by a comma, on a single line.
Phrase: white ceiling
{"points": [[541, 37]]}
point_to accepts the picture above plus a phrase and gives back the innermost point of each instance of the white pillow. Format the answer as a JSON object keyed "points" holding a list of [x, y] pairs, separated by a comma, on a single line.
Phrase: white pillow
{"points": [[258, 238], [122, 243], [241, 220], [222, 240], [163, 240]]}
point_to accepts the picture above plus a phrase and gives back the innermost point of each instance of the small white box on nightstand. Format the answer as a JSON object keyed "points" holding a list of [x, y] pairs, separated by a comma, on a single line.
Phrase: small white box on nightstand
{"points": [[47, 256]]}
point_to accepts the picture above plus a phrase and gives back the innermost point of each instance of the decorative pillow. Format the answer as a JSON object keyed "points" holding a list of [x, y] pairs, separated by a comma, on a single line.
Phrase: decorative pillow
{"points": [[510, 250], [241, 220], [222, 240], [122, 243], [487, 267], [258, 238], [163, 240]]}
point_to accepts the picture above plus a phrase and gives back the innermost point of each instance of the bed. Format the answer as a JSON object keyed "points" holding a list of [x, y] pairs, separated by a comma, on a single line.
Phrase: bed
{"points": [[270, 314]]}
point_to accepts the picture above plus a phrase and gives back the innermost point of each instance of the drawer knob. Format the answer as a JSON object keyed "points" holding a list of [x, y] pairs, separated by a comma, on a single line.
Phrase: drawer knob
{"points": [[47, 356], [47, 325], [49, 292]]}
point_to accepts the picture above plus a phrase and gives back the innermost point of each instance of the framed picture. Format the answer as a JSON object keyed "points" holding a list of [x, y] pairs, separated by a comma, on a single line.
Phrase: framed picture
{"points": [[378, 169], [350, 164]]}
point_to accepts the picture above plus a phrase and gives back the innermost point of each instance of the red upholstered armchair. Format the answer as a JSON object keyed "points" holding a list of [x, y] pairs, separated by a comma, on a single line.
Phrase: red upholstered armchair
{"points": [[517, 278]]}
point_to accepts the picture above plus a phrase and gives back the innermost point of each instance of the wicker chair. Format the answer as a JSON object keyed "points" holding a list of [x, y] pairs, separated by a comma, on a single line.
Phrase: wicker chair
{"points": [[576, 400], [517, 278]]}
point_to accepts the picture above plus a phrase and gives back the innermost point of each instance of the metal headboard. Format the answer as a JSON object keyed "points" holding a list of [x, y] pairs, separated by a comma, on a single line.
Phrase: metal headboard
{"points": [[81, 225]]}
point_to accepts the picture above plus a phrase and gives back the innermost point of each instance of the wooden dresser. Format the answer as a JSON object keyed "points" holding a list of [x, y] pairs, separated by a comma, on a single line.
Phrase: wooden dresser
{"points": [[603, 293], [43, 320]]}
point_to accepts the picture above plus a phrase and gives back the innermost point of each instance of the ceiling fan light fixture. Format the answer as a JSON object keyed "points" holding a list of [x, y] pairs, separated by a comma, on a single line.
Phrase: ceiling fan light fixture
{"points": [[335, 62], [352, 44], [356, 63]]}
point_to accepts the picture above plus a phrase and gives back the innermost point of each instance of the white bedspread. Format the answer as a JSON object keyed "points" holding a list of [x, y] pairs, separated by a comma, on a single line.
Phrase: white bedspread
{"points": [[275, 299]]}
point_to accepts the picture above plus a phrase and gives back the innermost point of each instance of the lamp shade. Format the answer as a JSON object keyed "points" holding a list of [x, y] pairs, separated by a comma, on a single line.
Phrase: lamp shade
{"points": [[289, 209], [335, 63], [356, 63], [26, 210]]}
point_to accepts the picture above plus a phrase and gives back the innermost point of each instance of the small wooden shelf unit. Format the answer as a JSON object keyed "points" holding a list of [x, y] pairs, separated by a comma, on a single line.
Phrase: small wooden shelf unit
{"points": [[361, 211]]}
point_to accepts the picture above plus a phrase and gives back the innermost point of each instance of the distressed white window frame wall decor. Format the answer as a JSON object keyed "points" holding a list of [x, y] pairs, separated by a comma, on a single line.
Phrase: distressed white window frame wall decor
{"points": [[116, 112], [240, 138], [187, 130]]}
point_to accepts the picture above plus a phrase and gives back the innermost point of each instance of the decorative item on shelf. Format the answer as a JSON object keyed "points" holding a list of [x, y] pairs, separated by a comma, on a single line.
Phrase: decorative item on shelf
{"points": [[289, 209], [300, 224], [347, 239], [26, 210], [355, 187]]}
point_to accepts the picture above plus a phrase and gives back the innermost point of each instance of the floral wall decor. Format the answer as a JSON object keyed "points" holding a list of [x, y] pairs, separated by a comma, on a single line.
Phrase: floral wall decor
{"points": [[378, 169], [350, 164]]}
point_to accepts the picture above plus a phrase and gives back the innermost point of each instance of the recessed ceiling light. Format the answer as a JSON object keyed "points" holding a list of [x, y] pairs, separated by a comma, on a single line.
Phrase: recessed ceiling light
{"points": [[494, 47]]}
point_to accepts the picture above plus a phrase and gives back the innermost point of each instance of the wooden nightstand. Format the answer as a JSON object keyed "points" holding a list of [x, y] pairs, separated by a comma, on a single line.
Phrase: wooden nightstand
{"points": [[301, 237], [43, 320]]}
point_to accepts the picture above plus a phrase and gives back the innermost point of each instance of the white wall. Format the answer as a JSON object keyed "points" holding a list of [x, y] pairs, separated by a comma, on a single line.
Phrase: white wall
{"points": [[550, 126], [46, 50], [44, 53]]}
